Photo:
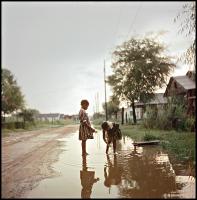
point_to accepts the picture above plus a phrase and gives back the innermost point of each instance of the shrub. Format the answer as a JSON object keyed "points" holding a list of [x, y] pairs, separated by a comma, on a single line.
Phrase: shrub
{"points": [[190, 123], [19, 125], [8, 125], [162, 121], [172, 116], [149, 120]]}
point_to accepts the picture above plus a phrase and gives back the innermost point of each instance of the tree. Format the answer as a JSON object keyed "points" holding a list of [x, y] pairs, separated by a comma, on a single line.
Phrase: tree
{"points": [[28, 114], [112, 106], [187, 17], [139, 67], [12, 98], [98, 115]]}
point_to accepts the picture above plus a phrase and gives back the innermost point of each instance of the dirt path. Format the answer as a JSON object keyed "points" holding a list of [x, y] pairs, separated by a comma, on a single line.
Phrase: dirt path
{"points": [[27, 157]]}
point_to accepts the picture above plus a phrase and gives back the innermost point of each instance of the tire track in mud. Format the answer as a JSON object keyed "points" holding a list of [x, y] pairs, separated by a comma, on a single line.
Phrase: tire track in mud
{"points": [[26, 171]]}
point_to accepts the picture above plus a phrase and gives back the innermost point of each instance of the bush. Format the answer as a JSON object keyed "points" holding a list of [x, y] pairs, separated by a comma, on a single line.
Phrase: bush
{"points": [[172, 116], [190, 123], [8, 125], [151, 115], [28, 125], [162, 122], [20, 125], [17, 125]]}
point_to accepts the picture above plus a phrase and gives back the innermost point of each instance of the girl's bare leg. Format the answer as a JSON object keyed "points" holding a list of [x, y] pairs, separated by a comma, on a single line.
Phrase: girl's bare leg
{"points": [[114, 146], [83, 144], [107, 148]]}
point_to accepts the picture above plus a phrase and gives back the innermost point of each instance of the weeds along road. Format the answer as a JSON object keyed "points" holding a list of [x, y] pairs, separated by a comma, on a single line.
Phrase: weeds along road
{"points": [[27, 157]]}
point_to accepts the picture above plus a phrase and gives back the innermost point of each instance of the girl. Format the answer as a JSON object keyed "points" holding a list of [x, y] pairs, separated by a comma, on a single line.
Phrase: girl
{"points": [[111, 133], [85, 129]]}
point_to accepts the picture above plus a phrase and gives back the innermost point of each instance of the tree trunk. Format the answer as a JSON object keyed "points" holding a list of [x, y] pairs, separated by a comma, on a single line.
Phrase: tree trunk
{"points": [[134, 115], [122, 115]]}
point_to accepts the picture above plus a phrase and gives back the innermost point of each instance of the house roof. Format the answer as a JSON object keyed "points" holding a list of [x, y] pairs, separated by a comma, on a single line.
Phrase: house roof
{"points": [[185, 82], [49, 115], [158, 99]]}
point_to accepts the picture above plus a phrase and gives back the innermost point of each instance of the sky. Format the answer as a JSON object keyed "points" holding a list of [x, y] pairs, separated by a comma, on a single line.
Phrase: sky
{"points": [[56, 50]]}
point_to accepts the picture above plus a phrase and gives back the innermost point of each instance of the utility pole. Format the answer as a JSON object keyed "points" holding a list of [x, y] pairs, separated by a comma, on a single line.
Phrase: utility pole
{"points": [[98, 102], [105, 94]]}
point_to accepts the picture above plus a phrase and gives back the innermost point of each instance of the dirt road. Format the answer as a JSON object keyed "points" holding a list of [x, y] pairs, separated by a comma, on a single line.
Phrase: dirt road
{"points": [[27, 157]]}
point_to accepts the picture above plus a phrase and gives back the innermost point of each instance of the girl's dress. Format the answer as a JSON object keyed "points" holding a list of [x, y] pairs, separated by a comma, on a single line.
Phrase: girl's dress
{"points": [[85, 132]]}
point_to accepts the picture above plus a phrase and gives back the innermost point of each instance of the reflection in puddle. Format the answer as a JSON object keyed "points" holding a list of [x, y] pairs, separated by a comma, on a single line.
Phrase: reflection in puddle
{"points": [[135, 172], [87, 180], [112, 172]]}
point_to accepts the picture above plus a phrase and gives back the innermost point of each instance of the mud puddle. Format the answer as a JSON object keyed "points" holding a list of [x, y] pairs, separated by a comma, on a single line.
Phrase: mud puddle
{"points": [[141, 172]]}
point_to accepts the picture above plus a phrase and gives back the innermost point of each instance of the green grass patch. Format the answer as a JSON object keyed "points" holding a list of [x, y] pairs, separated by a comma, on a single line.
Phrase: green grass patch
{"points": [[148, 137], [98, 122], [180, 144]]}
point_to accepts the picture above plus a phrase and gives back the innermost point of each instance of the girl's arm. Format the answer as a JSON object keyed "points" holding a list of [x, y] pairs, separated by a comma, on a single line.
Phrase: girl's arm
{"points": [[84, 121], [104, 137]]}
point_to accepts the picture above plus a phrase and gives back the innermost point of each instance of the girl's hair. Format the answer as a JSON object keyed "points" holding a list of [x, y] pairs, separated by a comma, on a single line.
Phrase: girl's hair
{"points": [[104, 125], [84, 102]]}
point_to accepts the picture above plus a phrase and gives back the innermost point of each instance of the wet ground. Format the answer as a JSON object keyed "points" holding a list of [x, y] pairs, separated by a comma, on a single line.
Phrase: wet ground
{"points": [[27, 158], [141, 172]]}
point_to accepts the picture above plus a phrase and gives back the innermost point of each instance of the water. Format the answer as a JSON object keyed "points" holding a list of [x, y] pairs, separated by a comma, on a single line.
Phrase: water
{"points": [[135, 172]]}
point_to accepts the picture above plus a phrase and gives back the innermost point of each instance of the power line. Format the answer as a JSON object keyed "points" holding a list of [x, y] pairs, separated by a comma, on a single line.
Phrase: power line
{"points": [[116, 30], [131, 26], [118, 24]]}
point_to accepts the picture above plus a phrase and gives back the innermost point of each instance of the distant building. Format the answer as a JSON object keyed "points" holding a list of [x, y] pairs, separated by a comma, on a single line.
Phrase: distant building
{"points": [[50, 117], [75, 117], [67, 116]]}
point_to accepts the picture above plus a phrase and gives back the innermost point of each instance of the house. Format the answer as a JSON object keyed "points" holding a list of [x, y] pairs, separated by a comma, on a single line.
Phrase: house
{"points": [[67, 116], [185, 86], [158, 101], [61, 116], [50, 117], [75, 117], [128, 114]]}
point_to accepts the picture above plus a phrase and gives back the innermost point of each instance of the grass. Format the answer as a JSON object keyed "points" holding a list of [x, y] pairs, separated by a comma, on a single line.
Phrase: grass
{"points": [[180, 144], [98, 127]]}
